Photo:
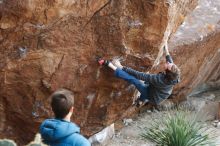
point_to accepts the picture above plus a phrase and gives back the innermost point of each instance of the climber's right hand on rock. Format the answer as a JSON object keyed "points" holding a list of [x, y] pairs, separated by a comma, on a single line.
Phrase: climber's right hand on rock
{"points": [[165, 48]]}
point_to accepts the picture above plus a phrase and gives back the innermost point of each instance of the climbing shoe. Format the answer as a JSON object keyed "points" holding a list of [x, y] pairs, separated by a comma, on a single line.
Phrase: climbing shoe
{"points": [[103, 62]]}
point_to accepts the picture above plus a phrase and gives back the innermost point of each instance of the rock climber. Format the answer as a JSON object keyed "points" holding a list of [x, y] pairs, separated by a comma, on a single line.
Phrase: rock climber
{"points": [[156, 87], [60, 131]]}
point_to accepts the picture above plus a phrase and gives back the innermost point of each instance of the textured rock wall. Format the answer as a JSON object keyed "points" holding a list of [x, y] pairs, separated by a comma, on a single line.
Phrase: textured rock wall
{"points": [[62, 40], [196, 49], [200, 71]]}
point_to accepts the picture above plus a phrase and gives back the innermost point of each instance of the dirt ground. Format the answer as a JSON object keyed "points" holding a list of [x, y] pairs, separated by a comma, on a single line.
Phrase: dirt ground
{"points": [[129, 135]]}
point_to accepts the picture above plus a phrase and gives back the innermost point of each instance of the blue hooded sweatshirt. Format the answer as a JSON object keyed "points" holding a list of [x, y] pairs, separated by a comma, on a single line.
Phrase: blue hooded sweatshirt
{"points": [[57, 132]]}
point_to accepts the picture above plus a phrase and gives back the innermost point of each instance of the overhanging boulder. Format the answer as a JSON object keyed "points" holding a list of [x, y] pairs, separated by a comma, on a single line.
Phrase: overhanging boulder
{"points": [[46, 45]]}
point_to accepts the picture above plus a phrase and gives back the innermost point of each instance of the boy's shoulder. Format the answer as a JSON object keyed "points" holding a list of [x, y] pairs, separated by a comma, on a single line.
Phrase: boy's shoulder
{"points": [[62, 131]]}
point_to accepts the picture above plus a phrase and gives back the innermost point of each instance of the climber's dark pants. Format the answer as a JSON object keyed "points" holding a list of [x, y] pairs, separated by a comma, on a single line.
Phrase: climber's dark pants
{"points": [[141, 87]]}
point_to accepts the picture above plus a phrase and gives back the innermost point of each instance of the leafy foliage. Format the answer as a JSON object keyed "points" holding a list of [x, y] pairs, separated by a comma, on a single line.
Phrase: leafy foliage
{"points": [[178, 129]]}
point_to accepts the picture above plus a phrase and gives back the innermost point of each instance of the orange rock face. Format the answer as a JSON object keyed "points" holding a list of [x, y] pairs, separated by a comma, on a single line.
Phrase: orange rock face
{"points": [[48, 44]]}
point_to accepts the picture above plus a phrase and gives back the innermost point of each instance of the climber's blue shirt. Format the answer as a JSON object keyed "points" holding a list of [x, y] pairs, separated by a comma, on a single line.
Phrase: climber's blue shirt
{"points": [[57, 132]]}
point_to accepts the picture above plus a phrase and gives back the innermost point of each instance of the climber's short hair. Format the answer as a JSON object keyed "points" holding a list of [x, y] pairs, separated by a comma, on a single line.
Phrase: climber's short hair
{"points": [[62, 101], [173, 74]]}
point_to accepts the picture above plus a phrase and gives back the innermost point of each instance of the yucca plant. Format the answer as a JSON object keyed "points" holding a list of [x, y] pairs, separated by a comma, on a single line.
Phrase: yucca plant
{"points": [[178, 128]]}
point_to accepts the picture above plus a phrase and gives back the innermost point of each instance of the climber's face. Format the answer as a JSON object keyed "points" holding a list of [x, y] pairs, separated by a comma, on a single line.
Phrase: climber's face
{"points": [[168, 65]]}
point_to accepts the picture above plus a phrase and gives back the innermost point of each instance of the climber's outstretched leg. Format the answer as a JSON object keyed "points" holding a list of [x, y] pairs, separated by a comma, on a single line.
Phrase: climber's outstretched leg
{"points": [[141, 87]]}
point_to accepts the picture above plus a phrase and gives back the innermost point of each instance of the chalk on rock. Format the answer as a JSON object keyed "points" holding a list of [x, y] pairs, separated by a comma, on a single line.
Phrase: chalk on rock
{"points": [[103, 136], [22, 52], [134, 23]]}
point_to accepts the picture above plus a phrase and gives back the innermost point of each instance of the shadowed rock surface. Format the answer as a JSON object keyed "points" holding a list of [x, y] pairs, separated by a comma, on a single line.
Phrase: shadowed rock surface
{"points": [[48, 44]]}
